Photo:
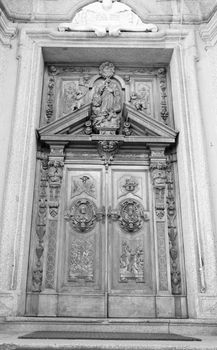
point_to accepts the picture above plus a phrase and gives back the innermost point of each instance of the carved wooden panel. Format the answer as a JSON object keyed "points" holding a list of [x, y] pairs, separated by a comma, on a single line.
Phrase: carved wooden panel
{"points": [[68, 88], [82, 238], [131, 245]]}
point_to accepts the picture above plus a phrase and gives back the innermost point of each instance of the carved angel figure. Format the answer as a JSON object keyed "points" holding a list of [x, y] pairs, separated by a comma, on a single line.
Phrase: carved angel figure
{"points": [[108, 16]]}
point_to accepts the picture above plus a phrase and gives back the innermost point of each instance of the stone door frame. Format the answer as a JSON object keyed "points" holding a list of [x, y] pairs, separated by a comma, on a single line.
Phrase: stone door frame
{"points": [[198, 236]]}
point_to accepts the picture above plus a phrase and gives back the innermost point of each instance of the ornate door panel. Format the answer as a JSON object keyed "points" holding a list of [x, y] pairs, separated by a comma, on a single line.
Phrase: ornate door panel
{"points": [[131, 250], [81, 275]]}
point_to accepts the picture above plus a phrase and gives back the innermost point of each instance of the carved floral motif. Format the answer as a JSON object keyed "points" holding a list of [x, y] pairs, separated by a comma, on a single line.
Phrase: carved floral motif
{"points": [[163, 88], [51, 93], [132, 262], [81, 261]]}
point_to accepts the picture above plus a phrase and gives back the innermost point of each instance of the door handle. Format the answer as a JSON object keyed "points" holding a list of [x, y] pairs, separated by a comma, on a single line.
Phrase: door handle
{"points": [[113, 214], [100, 214]]}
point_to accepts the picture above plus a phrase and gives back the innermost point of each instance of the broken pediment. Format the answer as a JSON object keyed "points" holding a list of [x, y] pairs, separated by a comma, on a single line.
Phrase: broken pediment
{"points": [[107, 16], [134, 127]]}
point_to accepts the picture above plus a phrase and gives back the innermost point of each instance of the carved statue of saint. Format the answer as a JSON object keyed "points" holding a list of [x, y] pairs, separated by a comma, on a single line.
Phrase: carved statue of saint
{"points": [[107, 101], [107, 16]]}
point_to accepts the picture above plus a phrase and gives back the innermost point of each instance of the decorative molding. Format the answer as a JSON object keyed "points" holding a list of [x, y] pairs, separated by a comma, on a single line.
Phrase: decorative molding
{"points": [[8, 30], [208, 31]]}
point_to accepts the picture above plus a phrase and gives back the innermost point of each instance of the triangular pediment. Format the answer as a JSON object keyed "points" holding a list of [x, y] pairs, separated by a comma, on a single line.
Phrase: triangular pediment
{"points": [[72, 123], [143, 125], [143, 128]]}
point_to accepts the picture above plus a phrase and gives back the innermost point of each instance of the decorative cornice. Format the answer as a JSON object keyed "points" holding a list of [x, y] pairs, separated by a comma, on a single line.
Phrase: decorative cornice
{"points": [[8, 30], [208, 31]]}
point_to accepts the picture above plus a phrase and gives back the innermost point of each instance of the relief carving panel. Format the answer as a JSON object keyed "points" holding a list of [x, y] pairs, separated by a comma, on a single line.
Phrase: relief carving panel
{"points": [[132, 261], [81, 260], [83, 184]]}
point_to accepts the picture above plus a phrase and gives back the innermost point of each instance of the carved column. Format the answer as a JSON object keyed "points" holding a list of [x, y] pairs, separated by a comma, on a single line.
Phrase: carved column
{"points": [[55, 174], [158, 166]]}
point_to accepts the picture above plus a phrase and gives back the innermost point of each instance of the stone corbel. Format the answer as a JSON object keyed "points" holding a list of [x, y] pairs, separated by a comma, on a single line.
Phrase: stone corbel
{"points": [[8, 30]]}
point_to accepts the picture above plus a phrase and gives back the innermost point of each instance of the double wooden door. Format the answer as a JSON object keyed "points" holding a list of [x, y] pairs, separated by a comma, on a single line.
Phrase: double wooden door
{"points": [[105, 243]]}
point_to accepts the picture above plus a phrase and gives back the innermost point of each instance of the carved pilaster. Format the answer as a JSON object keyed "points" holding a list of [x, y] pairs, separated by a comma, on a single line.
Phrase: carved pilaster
{"points": [[55, 175], [163, 91], [158, 168], [41, 220], [172, 231]]}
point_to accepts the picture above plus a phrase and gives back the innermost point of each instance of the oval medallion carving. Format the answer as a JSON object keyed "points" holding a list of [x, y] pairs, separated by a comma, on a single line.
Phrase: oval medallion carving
{"points": [[131, 215], [83, 215]]}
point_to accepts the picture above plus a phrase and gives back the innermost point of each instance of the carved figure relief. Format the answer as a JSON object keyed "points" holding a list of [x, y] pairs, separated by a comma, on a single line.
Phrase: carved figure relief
{"points": [[106, 102], [132, 261], [74, 93], [140, 98], [83, 184], [51, 93], [110, 17], [83, 215], [81, 261]]}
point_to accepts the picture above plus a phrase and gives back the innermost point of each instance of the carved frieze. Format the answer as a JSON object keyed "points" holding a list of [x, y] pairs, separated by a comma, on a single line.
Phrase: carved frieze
{"points": [[83, 215], [81, 260], [83, 184], [132, 261]]}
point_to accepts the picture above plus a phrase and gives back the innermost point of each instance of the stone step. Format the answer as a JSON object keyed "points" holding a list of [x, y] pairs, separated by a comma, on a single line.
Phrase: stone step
{"points": [[186, 327]]}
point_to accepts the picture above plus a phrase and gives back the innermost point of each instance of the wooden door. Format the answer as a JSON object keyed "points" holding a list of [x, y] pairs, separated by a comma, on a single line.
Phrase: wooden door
{"points": [[82, 248], [131, 248], [106, 249]]}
